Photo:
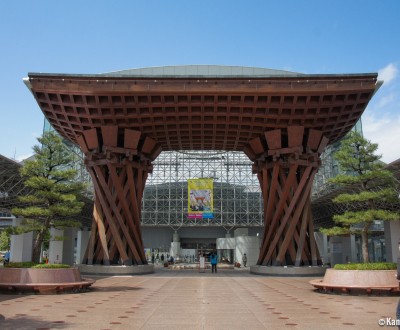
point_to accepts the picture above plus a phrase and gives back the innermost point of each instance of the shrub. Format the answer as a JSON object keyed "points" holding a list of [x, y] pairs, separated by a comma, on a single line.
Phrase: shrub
{"points": [[367, 266], [34, 265], [20, 264], [44, 266]]}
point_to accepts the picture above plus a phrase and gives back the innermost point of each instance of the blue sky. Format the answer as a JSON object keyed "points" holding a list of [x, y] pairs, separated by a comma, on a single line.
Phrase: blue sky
{"points": [[310, 36]]}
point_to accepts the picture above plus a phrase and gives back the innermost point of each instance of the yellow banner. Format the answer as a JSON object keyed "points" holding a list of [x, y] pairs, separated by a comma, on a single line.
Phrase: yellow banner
{"points": [[200, 198]]}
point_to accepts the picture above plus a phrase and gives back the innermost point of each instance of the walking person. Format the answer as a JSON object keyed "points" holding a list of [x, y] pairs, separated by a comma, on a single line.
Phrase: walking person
{"points": [[6, 258], [244, 259], [214, 262]]}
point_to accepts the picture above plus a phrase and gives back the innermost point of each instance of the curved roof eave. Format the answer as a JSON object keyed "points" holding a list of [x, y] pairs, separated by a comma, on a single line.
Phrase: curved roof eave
{"points": [[197, 71], [210, 71]]}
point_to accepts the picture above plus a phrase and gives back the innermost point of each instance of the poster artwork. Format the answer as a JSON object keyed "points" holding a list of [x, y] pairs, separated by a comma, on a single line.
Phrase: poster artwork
{"points": [[200, 201]]}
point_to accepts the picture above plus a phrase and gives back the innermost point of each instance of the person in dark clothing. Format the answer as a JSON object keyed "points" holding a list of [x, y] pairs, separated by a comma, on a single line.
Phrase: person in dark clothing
{"points": [[214, 262], [6, 258], [244, 259]]}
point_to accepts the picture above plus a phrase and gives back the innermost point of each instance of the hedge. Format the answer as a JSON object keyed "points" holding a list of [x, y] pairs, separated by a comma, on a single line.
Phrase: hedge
{"points": [[51, 266], [34, 265], [367, 266]]}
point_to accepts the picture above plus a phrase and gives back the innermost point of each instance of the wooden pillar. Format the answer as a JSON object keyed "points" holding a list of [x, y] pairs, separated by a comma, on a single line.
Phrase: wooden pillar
{"points": [[286, 161], [118, 161]]}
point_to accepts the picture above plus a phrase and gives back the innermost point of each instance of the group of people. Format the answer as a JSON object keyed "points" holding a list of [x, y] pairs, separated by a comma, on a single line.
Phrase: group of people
{"points": [[156, 258], [214, 261]]}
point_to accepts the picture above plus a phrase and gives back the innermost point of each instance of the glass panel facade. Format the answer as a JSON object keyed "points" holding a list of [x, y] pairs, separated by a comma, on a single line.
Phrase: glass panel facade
{"points": [[329, 167], [237, 193]]}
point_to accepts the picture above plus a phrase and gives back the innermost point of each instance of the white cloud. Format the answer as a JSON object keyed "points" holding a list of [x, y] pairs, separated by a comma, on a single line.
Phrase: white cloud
{"points": [[388, 73], [383, 130], [386, 99]]}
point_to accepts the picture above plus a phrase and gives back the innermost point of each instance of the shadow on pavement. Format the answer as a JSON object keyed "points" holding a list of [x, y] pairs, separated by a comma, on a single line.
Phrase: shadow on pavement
{"points": [[22, 323], [115, 289]]}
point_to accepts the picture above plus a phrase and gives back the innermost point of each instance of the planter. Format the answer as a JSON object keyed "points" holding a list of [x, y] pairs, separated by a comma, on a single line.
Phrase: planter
{"points": [[347, 281], [115, 270], [43, 280], [288, 271]]}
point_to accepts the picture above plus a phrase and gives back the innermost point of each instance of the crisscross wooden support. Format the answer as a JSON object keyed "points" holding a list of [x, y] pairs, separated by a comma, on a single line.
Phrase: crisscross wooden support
{"points": [[286, 161], [119, 161]]}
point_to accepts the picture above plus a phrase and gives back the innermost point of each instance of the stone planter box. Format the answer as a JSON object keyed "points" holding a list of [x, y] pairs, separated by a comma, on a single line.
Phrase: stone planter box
{"points": [[112, 270], [43, 280], [347, 281], [288, 271]]}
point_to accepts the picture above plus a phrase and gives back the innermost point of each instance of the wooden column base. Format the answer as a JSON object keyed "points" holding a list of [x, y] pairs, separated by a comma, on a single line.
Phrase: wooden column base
{"points": [[119, 161], [286, 161], [289, 232]]}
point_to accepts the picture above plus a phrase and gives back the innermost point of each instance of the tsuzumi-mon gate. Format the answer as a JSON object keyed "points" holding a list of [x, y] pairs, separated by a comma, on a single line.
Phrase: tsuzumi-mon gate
{"points": [[281, 120]]}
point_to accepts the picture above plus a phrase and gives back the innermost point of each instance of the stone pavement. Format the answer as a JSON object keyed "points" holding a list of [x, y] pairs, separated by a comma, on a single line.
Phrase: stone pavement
{"points": [[187, 299]]}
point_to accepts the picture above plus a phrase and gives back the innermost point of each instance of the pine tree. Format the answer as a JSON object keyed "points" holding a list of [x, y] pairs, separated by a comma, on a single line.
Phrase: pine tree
{"points": [[371, 188], [4, 240], [54, 197]]}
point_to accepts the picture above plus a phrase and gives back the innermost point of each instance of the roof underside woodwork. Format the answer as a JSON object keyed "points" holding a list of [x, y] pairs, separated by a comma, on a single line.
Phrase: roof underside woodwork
{"points": [[203, 114]]}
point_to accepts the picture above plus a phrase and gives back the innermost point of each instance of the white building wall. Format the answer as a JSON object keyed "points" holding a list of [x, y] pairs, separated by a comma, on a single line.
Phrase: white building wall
{"points": [[226, 243], [392, 239], [55, 246], [21, 247], [82, 243], [249, 245], [69, 246]]}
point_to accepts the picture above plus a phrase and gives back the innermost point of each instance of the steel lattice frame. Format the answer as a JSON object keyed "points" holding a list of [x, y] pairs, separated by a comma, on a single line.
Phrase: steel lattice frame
{"points": [[237, 193], [11, 185]]}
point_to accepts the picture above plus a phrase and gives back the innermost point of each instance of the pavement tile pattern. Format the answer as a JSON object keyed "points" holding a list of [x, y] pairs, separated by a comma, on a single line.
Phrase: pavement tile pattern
{"points": [[187, 299]]}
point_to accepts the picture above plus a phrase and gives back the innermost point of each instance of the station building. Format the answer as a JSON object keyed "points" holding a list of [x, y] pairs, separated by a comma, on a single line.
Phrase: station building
{"points": [[237, 224]]}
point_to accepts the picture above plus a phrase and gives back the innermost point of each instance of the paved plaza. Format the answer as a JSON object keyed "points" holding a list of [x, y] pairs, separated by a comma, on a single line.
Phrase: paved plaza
{"points": [[187, 299]]}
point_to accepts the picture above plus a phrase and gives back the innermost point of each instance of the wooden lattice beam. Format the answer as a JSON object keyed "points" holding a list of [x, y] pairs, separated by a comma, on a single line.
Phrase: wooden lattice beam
{"points": [[286, 163], [119, 173]]}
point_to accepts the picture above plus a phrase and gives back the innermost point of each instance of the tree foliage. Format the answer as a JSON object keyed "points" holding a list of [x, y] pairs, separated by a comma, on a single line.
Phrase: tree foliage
{"points": [[367, 266], [55, 196], [371, 188], [4, 240]]}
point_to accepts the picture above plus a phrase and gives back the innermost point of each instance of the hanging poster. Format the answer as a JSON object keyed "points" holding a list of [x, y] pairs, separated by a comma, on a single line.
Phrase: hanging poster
{"points": [[200, 199]]}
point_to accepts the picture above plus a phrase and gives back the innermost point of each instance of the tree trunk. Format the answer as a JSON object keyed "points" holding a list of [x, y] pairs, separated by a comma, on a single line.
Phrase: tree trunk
{"points": [[364, 246], [37, 246]]}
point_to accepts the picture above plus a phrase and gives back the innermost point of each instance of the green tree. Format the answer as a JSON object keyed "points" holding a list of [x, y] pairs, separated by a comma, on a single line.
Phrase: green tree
{"points": [[371, 189], [54, 199], [4, 240]]}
